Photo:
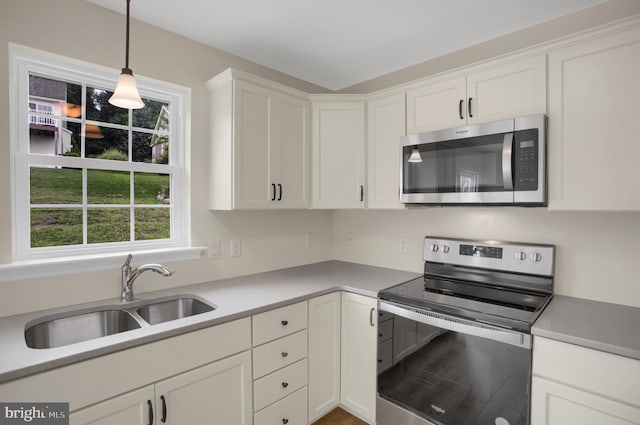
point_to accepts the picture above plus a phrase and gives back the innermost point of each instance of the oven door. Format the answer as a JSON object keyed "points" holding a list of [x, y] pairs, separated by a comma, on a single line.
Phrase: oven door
{"points": [[451, 371]]}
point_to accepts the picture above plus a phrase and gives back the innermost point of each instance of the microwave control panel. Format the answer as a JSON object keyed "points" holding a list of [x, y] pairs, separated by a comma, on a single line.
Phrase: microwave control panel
{"points": [[525, 154]]}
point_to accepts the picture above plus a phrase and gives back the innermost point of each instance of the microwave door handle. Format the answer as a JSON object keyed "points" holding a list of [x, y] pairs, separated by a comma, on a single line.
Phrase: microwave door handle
{"points": [[507, 149]]}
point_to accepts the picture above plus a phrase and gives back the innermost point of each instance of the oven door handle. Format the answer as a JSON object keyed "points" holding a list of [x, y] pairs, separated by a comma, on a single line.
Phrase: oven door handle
{"points": [[457, 325]]}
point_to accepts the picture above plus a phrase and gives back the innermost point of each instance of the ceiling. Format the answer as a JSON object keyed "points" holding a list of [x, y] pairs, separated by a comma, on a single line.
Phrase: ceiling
{"points": [[338, 43]]}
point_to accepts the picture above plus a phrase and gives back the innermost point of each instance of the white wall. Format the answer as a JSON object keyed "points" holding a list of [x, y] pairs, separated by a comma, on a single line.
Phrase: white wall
{"points": [[596, 258]]}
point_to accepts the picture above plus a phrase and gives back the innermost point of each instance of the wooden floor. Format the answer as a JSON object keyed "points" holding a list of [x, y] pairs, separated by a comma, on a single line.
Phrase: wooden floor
{"points": [[339, 417]]}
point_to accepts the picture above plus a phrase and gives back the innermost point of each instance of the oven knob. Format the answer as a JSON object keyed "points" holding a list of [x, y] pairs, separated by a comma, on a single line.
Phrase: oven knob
{"points": [[521, 256], [434, 247], [536, 257], [445, 248]]}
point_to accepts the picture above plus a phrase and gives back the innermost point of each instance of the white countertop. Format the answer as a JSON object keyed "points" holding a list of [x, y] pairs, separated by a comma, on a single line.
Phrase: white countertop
{"points": [[234, 298]]}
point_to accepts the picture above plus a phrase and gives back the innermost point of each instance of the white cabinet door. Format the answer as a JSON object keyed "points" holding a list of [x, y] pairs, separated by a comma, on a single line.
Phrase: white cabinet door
{"points": [[338, 155], [133, 408], [556, 404], [510, 90], [488, 93], [259, 154], [386, 120], [217, 393], [594, 125], [289, 152], [437, 105], [358, 352], [324, 355], [253, 121]]}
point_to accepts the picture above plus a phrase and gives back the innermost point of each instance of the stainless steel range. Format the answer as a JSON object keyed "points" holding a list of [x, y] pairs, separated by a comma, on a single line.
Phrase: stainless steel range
{"points": [[455, 344]]}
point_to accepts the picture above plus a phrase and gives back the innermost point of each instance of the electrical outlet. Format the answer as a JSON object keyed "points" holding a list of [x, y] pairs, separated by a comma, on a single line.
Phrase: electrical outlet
{"points": [[307, 240], [236, 249], [404, 246], [214, 248]]}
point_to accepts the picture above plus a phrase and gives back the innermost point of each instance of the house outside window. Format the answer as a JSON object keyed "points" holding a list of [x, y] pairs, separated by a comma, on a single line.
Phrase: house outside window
{"points": [[91, 178]]}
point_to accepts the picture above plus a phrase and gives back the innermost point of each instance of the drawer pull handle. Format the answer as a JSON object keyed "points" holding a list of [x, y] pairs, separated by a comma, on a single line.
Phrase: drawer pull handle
{"points": [[285, 322], [285, 384], [379, 361], [285, 354], [150, 412], [285, 421], [164, 409]]}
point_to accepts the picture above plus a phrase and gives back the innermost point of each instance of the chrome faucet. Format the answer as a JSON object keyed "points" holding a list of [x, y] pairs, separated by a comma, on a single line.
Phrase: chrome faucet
{"points": [[129, 276]]}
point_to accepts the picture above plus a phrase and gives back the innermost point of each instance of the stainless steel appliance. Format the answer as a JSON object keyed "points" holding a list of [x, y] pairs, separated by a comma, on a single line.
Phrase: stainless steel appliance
{"points": [[461, 334], [495, 163]]}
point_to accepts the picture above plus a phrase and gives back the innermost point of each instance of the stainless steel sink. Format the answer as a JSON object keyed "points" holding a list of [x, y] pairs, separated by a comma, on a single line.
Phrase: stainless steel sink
{"points": [[178, 308], [60, 331]]}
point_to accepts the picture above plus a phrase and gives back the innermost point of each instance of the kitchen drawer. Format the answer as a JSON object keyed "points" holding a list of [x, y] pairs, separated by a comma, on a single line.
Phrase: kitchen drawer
{"points": [[291, 410], [279, 353], [279, 384], [595, 371], [277, 323], [385, 330], [385, 355], [384, 315]]}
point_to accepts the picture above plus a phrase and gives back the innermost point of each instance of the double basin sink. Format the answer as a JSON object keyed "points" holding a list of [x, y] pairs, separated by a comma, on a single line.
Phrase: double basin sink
{"points": [[77, 326]]}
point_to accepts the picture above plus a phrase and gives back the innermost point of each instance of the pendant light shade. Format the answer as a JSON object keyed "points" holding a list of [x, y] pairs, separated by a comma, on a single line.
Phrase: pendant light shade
{"points": [[126, 94], [415, 156]]}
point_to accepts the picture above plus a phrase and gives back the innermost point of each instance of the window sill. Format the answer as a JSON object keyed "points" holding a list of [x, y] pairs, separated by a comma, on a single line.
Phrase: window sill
{"points": [[21, 270]]}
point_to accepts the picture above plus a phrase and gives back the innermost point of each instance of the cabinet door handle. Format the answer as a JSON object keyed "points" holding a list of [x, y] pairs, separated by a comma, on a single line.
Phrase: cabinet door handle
{"points": [[273, 191], [280, 192], [285, 384], [469, 108], [371, 316], [460, 108], [164, 409], [150, 412], [285, 421], [285, 322], [361, 193], [285, 354], [379, 361]]}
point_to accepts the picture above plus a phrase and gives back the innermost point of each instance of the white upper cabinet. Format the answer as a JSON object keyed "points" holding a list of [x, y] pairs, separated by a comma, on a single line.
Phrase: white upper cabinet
{"points": [[386, 120], [436, 105], [338, 154], [487, 93], [259, 148], [593, 124]]}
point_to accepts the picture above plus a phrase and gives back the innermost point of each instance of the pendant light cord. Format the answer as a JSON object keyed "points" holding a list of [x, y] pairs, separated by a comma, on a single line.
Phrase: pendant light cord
{"points": [[126, 59]]}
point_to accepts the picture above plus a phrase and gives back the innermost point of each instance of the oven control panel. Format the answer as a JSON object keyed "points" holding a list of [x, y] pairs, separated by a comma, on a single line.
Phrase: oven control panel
{"points": [[508, 256]]}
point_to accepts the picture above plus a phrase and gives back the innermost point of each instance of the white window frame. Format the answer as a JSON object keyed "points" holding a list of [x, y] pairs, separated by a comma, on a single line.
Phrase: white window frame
{"points": [[22, 61]]}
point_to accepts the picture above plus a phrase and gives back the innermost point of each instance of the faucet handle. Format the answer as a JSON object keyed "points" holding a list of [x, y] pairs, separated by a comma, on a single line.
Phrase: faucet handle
{"points": [[127, 262]]}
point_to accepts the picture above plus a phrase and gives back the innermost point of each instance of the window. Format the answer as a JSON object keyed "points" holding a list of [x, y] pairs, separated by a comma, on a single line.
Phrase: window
{"points": [[91, 178]]}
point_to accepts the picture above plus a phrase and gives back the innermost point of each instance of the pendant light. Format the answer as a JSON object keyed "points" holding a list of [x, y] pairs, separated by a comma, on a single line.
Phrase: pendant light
{"points": [[126, 94], [415, 155]]}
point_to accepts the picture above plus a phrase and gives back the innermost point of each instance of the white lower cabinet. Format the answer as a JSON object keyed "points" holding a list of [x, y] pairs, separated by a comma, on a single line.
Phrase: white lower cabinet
{"points": [[280, 367], [359, 340], [219, 392], [573, 385], [324, 355], [134, 408], [291, 410]]}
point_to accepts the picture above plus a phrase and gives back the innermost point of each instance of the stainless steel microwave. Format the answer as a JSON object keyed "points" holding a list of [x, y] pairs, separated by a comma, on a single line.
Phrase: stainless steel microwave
{"points": [[494, 163]]}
